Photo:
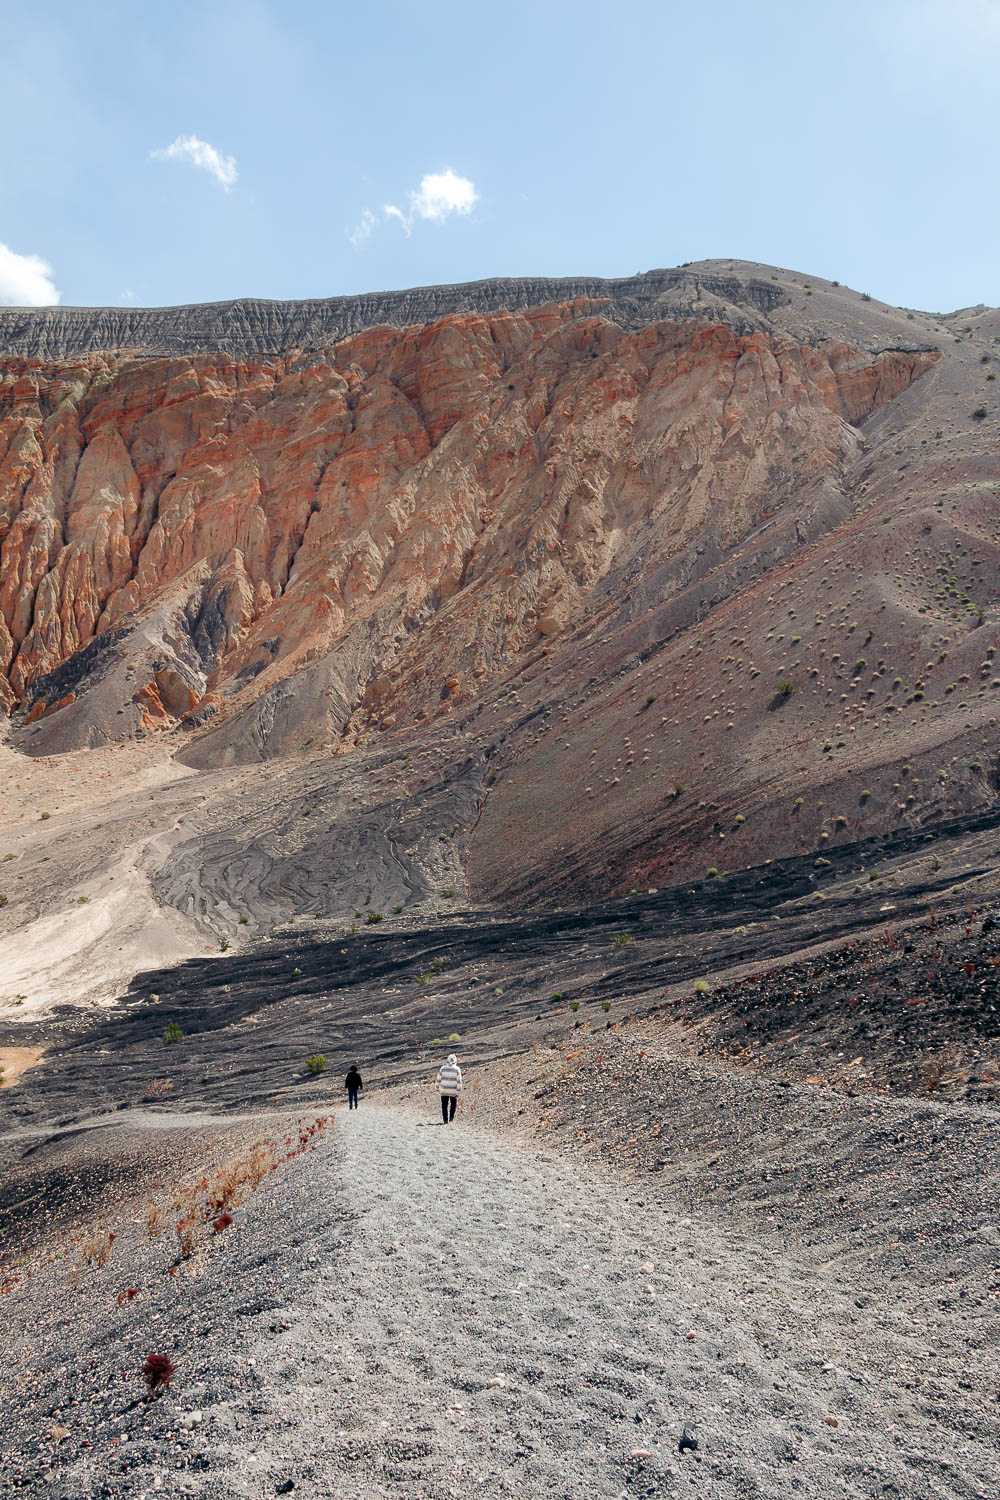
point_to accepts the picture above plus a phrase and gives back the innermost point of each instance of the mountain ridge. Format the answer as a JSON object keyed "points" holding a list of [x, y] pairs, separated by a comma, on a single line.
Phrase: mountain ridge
{"points": [[254, 326]]}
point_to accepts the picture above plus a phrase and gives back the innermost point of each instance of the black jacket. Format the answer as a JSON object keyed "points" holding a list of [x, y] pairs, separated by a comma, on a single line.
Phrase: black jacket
{"points": [[353, 1080]]}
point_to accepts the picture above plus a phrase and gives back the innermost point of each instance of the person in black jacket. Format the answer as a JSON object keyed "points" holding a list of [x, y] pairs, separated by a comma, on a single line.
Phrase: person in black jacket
{"points": [[353, 1085]]}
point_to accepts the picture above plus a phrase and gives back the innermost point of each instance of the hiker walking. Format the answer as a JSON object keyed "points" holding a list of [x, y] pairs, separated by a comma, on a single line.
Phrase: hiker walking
{"points": [[353, 1085], [449, 1081]]}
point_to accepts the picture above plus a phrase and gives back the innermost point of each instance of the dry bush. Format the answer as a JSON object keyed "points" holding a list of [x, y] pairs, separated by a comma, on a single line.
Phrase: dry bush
{"points": [[158, 1371], [158, 1088], [96, 1250]]}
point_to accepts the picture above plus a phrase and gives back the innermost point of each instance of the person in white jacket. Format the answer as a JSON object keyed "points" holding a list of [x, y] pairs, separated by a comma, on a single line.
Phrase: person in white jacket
{"points": [[449, 1081]]}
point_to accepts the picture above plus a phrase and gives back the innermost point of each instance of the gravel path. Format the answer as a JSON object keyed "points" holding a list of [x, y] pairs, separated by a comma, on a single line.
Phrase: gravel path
{"points": [[433, 1312], [505, 1324]]}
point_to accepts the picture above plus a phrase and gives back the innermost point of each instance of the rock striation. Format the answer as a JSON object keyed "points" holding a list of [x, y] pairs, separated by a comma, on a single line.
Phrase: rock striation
{"points": [[251, 327], [395, 520]]}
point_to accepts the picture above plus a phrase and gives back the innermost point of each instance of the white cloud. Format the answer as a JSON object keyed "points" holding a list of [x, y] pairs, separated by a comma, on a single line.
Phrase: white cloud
{"points": [[188, 148], [439, 196], [362, 229], [392, 212], [25, 280]]}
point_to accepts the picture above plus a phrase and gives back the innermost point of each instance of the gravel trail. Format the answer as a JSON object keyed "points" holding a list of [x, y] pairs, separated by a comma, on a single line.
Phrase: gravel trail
{"points": [[416, 1311], [504, 1324]]}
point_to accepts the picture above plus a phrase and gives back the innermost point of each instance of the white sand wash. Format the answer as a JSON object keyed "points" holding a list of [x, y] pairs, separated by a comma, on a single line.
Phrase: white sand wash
{"points": [[88, 953]]}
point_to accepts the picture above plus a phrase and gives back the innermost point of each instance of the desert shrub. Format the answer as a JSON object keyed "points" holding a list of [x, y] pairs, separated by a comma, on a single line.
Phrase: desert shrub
{"points": [[574, 1006], [173, 1033], [316, 1063], [3, 900], [605, 1006], [373, 917], [977, 416], [620, 940], [46, 816], [701, 987], [158, 1088], [97, 1248], [449, 890], [786, 689], [158, 1371], [222, 1222], [223, 945], [712, 872]]}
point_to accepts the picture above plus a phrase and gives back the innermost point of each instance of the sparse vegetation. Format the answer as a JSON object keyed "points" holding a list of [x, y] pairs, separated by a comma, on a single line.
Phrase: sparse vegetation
{"points": [[786, 689], [158, 1371], [373, 918], [605, 1006], [173, 1033], [620, 940], [316, 1063]]}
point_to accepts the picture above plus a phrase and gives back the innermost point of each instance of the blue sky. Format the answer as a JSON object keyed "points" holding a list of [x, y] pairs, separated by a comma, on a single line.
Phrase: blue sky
{"points": [[201, 151]]}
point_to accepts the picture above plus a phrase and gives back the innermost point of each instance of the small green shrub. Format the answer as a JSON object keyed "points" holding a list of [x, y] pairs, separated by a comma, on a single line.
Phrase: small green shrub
{"points": [[44, 817], [296, 973], [173, 1033], [979, 413], [316, 1063], [574, 1005], [620, 940], [605, 1006], [373, 918], [702, 987], [786, 689], [3, 900]]}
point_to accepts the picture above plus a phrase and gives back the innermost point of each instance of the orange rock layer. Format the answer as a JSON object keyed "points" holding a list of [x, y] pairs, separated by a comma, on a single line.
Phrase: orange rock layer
{"points": [[455, 490]]}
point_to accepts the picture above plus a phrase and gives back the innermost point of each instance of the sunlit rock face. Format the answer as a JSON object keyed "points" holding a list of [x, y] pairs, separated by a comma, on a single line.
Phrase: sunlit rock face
{"points": [[405, 515]]}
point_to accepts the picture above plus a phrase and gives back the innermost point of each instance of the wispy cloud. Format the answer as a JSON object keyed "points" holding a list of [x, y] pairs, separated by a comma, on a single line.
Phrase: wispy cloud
{"points": [[362, 229], [195, 153], [439, 196], [25, 280]]}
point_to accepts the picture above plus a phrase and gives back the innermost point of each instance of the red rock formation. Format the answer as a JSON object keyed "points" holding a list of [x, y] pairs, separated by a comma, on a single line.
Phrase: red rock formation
{"points": [[424, 504]]}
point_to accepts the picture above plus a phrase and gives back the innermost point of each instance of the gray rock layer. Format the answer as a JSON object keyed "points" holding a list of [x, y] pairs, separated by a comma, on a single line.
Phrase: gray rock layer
{"points": [[252, 327]]}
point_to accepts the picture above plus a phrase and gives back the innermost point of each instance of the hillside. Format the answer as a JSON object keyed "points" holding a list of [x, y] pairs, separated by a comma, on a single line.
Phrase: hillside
{"points": [[599, 679]]}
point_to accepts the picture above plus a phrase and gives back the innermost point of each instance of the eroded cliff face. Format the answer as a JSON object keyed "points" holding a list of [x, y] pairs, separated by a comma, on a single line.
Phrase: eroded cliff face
{"points": [[407, 514]]}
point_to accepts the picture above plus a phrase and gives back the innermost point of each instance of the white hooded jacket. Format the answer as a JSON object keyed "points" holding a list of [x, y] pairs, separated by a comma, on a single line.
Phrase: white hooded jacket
{"points": [[449, 1077]]}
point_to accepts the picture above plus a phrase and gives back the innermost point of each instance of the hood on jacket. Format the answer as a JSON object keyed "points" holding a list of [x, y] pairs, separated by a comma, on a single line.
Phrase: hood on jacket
{"points": [[452, 1059]]}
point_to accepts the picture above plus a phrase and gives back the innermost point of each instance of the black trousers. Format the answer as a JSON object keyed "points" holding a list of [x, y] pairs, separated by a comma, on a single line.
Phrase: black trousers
{"points": [[449, 1103], [352, 1098]]}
